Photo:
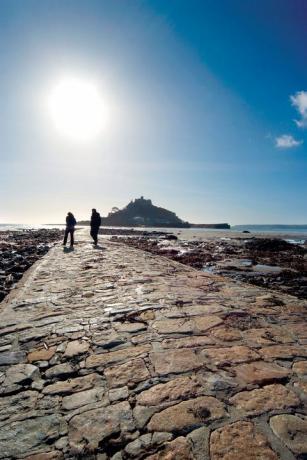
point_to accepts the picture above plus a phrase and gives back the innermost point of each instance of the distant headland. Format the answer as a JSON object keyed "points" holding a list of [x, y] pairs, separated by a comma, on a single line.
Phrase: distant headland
{"points": [[142, 213]]}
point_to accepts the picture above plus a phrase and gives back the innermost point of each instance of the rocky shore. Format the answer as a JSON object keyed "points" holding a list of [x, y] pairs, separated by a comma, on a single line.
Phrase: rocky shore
{"points": [[19, 250], [133, 232], [266, 262]]}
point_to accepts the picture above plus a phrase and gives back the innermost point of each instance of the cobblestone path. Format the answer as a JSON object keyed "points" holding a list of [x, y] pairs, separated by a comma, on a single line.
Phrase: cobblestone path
{"points": [[116, 353]]}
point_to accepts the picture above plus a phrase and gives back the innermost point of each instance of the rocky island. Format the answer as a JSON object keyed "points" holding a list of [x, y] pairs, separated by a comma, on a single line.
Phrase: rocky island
{"points": [[142, 213]]}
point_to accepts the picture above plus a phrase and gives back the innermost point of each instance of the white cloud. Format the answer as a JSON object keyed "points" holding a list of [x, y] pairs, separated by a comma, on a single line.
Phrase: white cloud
{"points": [[286, 142], [299, 101]]}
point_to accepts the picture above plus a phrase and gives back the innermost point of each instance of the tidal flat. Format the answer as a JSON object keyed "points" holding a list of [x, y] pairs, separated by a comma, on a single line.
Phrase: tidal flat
{"points": [[264, 260]]}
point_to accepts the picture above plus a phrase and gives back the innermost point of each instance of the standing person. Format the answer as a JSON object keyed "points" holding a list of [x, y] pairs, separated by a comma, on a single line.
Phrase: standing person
{"points": [[95, 224], [70, 228]]}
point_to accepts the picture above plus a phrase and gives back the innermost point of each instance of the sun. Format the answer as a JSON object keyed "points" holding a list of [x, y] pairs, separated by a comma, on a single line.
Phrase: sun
{"points": [[77, 109]]}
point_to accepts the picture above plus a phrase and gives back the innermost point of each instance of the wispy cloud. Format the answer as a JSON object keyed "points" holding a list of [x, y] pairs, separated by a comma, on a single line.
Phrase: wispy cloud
{"points": [[286, 142], [299, 101]]}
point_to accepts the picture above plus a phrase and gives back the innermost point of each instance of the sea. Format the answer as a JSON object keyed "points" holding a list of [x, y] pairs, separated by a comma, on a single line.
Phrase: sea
{"points": [[272, 228], [4, 227], [292, 233]]}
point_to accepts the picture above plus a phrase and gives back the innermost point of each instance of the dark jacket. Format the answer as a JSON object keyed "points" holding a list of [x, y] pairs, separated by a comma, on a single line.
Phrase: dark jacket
{"points": [[95, 220], [70, 222]]}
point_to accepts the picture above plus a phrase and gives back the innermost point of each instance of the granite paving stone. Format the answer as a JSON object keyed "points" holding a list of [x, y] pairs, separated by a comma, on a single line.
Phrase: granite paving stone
{"points": [[235, 354], [176, 389], [73, 385], [240, 440], [41, 354], [82, 398], [179, 449], [188, 342], [300, 367], [260, 372], [260, 400], [133, 371], [116, 356], [292, 430], [302, 386], [186, 415], [283, 351], [175, 361], [89, 429], [76, 347]]}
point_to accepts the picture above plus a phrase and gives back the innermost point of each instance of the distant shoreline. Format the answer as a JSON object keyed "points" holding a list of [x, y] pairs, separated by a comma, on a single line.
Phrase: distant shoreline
{"points": [[273, 227], [222, 226], [282, 231]]}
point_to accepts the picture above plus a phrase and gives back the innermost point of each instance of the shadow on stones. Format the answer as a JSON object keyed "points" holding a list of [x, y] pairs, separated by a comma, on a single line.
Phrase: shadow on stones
{"points": [[241, 320], [112, 444], [98, 247], [66, 250]]}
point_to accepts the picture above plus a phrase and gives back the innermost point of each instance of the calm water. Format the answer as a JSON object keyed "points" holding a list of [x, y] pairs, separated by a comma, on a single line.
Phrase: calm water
{"points": [[272, 228], [4, 227], [297, 232]]}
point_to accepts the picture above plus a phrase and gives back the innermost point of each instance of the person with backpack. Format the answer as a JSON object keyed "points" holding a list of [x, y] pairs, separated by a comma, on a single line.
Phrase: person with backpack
{"points": [[70, 228], [95, 224]]}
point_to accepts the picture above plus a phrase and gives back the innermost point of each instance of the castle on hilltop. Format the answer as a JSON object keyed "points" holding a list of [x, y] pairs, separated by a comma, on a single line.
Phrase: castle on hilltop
{"points": [[141, 212]]}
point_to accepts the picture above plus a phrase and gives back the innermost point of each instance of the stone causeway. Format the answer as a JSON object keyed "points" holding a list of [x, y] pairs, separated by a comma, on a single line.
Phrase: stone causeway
{"points": [[114, 353]]}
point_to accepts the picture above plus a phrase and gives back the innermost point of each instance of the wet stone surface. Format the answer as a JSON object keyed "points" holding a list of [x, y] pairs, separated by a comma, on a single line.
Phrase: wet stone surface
{"points": [[115, 353]]}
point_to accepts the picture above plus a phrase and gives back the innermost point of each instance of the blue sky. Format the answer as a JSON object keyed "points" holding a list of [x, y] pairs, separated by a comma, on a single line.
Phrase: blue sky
{"points": [[200, 115]]}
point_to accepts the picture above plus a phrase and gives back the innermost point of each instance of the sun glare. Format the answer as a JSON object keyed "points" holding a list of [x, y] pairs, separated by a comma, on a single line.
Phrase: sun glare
{"points": [[77, 109]]}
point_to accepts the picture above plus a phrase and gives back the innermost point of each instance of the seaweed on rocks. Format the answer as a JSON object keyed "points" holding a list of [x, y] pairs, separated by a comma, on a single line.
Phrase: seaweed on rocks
{"points": [[267, 262], [134, 232], [19, 250], [272, 245]]}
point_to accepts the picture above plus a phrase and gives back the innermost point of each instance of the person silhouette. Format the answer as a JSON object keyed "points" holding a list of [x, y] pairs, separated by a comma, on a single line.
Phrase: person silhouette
{"points": [[70, 228], [95, 224]]}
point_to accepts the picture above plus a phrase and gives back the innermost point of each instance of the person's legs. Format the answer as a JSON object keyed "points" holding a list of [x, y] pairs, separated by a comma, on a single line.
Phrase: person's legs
{"points": [[71, 238], [96, 236], [65, 236], [92, 233]]}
